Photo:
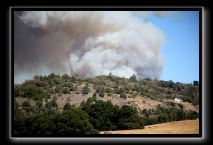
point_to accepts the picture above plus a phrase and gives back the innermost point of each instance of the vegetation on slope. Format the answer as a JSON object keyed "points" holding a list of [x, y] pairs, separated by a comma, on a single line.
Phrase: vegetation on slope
{"points": [[40, 116]]}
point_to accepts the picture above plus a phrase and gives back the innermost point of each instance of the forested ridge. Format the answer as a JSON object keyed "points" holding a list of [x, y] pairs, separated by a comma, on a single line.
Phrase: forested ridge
{"points": [[38, 110]]}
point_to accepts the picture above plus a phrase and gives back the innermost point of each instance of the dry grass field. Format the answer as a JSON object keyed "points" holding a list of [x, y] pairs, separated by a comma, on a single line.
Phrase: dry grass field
{"points": [[176, 127]]}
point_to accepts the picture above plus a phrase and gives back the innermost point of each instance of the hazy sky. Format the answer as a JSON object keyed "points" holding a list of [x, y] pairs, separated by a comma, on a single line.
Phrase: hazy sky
{"points": [[159, 44]]}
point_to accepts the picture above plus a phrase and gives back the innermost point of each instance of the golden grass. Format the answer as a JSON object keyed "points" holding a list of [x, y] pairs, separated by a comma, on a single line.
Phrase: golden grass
{"points": [[176, 127]]}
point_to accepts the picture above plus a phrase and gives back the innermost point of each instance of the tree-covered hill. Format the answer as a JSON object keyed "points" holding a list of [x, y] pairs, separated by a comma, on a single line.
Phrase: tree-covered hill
{"points": [[56, 105]]}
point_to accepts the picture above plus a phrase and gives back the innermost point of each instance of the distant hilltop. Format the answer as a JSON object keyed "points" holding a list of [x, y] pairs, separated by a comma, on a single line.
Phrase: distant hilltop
{"points": [[142, 94]]}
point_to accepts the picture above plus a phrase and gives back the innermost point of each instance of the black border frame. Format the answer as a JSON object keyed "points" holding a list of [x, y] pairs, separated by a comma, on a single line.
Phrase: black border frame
{"points": [[116, 9], [5, 62]]}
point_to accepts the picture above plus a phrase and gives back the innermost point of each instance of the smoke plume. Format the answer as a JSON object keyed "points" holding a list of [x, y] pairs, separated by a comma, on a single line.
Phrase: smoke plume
{"points": [[86, 43]]}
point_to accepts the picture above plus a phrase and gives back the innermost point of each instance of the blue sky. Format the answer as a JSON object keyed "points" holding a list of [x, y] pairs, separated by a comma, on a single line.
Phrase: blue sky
{"points": [[181, 50]]}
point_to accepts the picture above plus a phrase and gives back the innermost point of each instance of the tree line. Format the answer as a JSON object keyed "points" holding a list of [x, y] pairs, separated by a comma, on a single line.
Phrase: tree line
{"points": [[91, 117]]}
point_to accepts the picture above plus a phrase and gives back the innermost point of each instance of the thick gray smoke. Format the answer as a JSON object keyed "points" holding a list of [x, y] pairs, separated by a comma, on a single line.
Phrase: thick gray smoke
{"points": [[86, 44]]}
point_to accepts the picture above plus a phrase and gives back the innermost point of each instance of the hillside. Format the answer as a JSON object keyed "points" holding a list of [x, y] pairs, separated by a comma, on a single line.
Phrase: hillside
{"points": [[144, 94], [146, 101]]}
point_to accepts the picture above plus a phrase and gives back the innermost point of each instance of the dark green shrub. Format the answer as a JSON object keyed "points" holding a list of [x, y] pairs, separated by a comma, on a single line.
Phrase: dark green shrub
{"points": [[52, 105], [85, 90], [133, 78], [67, 106], [66, 90], [26, 106]]}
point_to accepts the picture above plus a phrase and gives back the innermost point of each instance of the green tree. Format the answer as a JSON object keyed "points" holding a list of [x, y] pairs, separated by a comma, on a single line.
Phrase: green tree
{"points": [[38, 107], [85, 90], [103, 115], [195, 83], [53, 76], [16, 108], [129, 118], [52, 105], [74, 121], [163, 118], [109, 75], [66, 90], [26, 106], [145, 112], [32, 91], [192, 115], [43, 125], [133, 78], [67, 106], [66, 77], [17, 91], [59, 89], [180, 114], [147, 79]]}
